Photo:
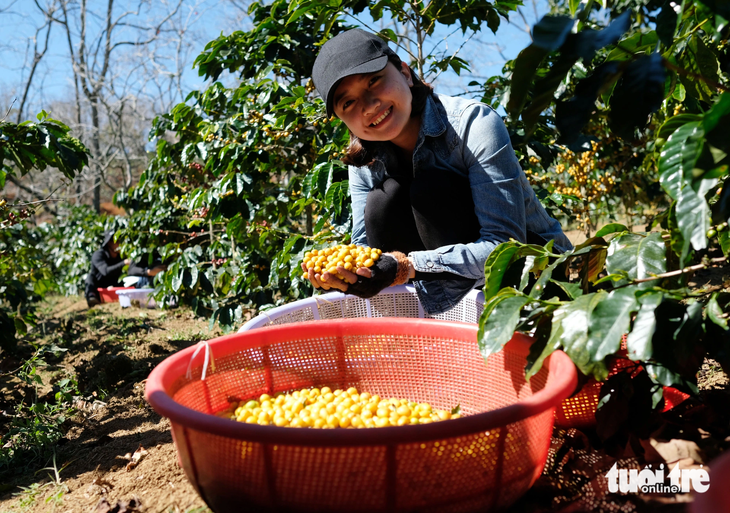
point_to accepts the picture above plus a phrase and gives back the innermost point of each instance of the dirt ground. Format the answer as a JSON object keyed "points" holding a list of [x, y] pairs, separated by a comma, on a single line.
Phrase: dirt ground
{"points": [[109, 347], [112, 350]]}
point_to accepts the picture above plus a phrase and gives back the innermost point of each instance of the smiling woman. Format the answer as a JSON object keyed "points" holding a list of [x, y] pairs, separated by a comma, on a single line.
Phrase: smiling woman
{"points": [[434, 180], [377, 106]]}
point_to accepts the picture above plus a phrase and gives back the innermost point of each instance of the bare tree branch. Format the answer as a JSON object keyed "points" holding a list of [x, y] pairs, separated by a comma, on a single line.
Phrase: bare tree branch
{"points": [[37, 56], [36, 194]]}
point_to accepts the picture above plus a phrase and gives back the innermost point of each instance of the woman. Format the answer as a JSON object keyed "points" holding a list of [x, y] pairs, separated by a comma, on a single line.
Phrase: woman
{"points": [[434, 180], [106, 269]]}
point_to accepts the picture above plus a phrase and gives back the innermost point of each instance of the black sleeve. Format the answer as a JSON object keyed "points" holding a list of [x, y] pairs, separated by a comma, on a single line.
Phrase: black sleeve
{"points": [[99, 261], [137, 269]]}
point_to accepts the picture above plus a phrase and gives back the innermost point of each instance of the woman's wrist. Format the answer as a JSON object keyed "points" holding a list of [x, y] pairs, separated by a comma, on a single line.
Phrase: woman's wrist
{"points": [[405, 267]]}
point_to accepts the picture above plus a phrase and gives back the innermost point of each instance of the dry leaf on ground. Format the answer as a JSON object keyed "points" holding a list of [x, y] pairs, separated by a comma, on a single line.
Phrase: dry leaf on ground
{"points": [[135, 458]]}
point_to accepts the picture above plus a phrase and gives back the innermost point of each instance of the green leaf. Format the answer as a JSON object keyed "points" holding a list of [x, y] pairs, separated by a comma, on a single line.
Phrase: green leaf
{"points": [[548, 35], [572, 290], [613, 278], [496, 265], [724, 240], [590, 41], [526, 269], [693, 217], [666, 23], [493, 20], [570, 331], [638, 94], [551, 32], [611, 228], [177, 281], [573, 6], [673, 123], [498, 321], [639, 256], [639, 43], [548, 340], [699, 60], [389, 35], [298, 13], [526, 65], [539, 287], [596, 248], [336, 197], [290, 243], [20, 326], [715, 313], [500, 259], [190, 278], [665, 376], [609, 321], [546, 88], [721, 7], [719, 110], [679, 93], [678, 157], [639, 341]]}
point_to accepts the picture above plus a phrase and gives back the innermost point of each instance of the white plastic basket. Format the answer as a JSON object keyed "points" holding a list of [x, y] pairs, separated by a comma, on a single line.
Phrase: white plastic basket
{"points": [[399, 301], [144, 296]]}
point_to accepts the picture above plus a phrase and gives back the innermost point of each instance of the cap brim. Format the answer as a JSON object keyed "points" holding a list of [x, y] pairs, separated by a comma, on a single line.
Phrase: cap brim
{"points": [[372, 66]]}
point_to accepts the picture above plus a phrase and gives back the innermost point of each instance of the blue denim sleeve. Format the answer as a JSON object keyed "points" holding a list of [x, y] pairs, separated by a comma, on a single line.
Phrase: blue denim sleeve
{"points": [[498, 191], [359, 188]]}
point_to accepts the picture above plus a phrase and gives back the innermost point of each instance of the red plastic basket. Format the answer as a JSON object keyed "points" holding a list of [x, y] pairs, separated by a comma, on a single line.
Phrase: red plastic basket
{"points": [[110, 295], [579, 411], [486, 459], [717, 497]]}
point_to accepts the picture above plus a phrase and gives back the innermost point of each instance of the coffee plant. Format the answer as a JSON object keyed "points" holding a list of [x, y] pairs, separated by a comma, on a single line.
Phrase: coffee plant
{"points": [[25, 271], [657, 79], [69, 243], [252, 179]]}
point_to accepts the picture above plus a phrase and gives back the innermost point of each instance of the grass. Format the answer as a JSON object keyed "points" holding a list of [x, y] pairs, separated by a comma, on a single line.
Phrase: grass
{"points": [[189, 335], [30, 494]]}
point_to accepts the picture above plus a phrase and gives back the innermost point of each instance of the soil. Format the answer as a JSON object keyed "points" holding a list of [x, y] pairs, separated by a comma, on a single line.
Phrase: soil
{"points": [[111, 350]]}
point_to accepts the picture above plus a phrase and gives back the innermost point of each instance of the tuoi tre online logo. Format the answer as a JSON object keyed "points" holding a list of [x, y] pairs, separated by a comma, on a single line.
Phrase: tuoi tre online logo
{"points": [[652, 481]]}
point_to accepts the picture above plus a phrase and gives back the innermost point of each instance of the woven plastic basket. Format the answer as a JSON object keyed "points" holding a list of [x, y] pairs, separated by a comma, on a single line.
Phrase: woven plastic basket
{"points": [[398, 301], [484, 460], [577, 411]]}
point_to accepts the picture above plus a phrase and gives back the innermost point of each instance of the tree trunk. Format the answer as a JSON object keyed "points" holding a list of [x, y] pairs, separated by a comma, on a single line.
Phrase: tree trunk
{"points": [[97, 152]]}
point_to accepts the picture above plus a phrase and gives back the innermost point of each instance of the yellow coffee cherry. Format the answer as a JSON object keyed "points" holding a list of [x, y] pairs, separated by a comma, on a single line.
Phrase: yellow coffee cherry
{"points": [[351, 257], [323, 408]]}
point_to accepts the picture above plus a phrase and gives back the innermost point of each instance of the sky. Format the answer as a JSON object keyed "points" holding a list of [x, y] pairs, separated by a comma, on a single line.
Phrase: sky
{"points": [[202, 20]]}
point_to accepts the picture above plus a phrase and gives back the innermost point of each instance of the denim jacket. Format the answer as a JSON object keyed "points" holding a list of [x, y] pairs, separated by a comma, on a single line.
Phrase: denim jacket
{"points": [[469, 138]]}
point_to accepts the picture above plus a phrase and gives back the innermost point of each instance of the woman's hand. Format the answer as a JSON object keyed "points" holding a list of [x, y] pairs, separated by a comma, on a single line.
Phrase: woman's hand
{"points": [[327, 281], [156, 270], [367, 281], [381, 275]]}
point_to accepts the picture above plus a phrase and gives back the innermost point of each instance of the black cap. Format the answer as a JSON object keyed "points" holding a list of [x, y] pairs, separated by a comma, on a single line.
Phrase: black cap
{"points": [[348, 53], [108, 236]]}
